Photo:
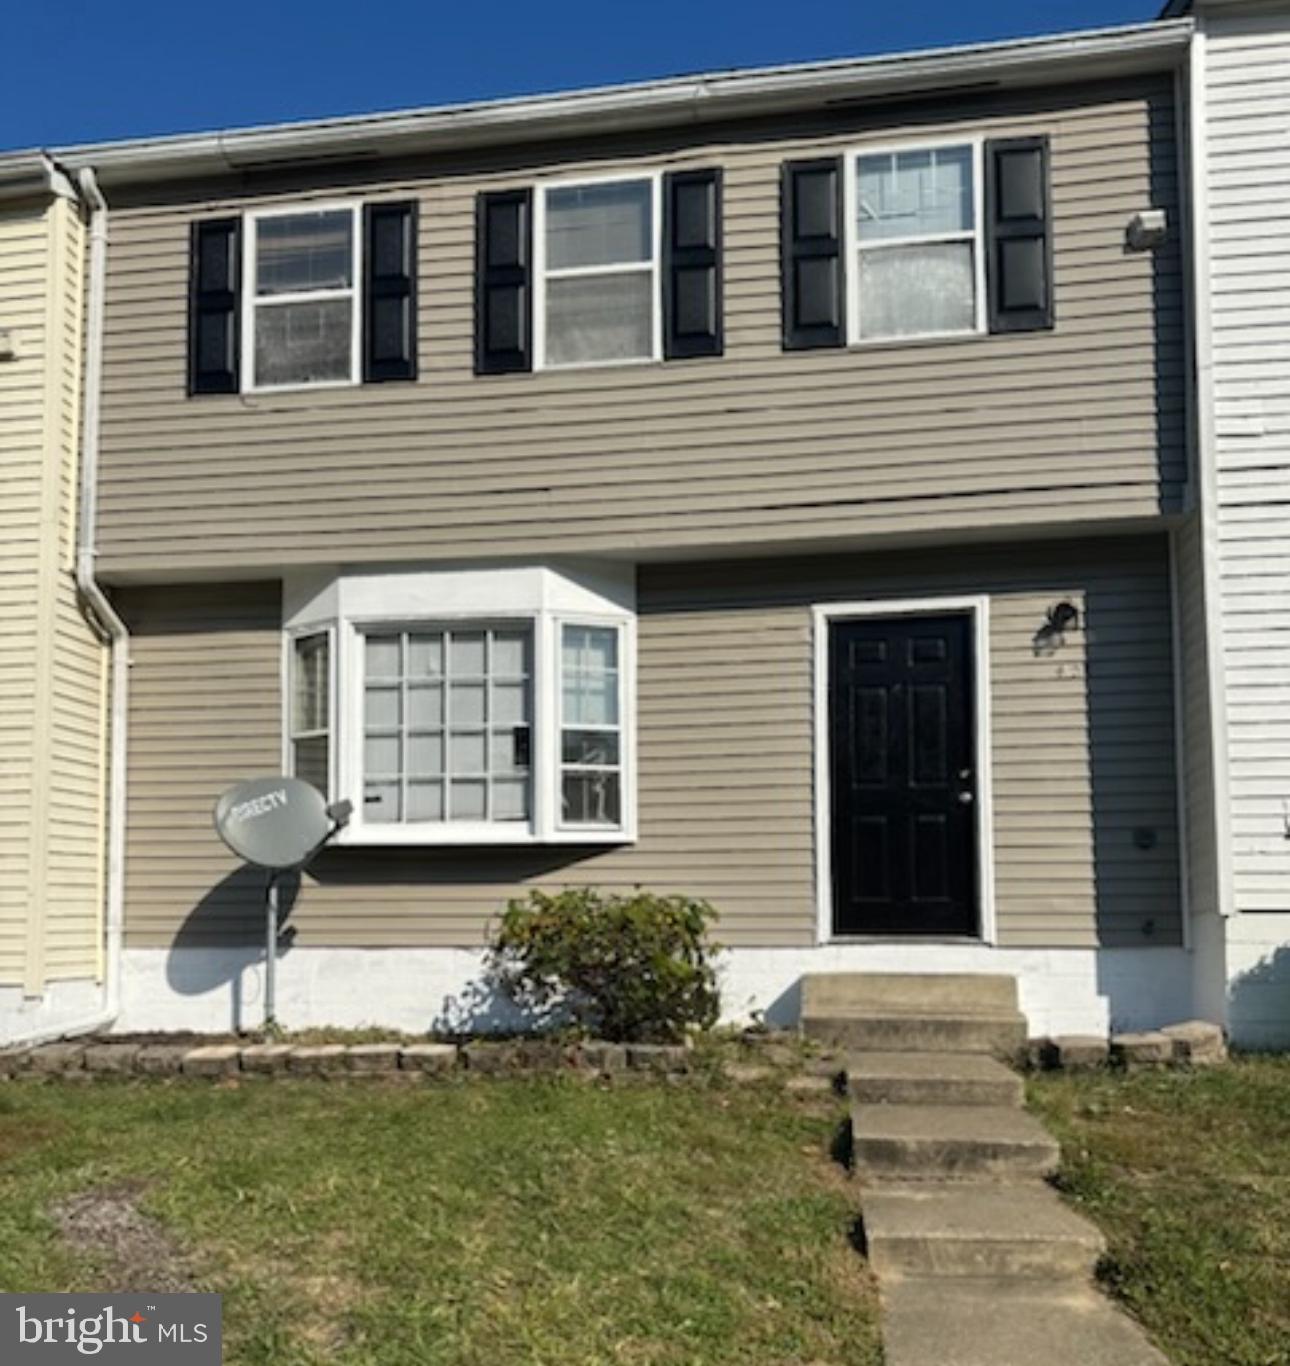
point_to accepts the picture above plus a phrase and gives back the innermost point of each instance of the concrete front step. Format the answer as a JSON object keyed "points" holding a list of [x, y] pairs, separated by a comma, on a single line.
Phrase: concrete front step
{"points": [[949, 1142], [932, 1079], [982, 1229], [1005, 1322], [926, 1031], [941, 993]]}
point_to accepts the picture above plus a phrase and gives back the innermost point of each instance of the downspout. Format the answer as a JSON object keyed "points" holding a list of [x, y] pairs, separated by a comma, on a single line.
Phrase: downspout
{"points": [[106, 622]]}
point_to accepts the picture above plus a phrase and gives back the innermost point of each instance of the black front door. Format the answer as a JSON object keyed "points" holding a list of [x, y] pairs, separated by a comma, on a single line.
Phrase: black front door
{"points": [[902, 752]]}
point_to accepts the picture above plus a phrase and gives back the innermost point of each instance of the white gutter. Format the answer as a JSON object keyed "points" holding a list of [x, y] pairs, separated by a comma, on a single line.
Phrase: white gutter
{"points": [[106, 621], [686, 100]]}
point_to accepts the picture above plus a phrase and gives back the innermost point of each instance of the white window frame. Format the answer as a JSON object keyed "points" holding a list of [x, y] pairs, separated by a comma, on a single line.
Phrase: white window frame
{"points": [[432, 832], [546, 824], [654, 268], [626, 723], [289, 734], [977, 610], [252, 303], [851, 239]]}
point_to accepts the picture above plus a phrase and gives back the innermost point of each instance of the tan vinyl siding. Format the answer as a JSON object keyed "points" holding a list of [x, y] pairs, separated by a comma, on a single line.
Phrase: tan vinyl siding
{"points": [[51, 665], [1083, 757], [755, 447]]}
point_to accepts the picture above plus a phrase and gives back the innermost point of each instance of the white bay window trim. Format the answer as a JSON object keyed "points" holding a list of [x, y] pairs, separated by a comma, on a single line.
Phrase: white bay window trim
{"points": [[543, 601], [651, 268], [254, 303], [292, 640], [853, 247]]}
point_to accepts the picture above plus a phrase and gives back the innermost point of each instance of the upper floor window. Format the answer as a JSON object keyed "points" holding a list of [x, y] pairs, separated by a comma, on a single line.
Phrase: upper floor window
{"points": [[299, 297], [598, 296], [916, 259], [302, 313], [952, 239], [601, 272]]}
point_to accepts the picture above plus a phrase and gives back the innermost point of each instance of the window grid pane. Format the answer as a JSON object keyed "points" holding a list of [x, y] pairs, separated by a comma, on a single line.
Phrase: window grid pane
{"points": [[311, 710], [915, 194], [300, 252], [599, 225], [590, 738], [917, 290], [916, 229], [452, 701]]}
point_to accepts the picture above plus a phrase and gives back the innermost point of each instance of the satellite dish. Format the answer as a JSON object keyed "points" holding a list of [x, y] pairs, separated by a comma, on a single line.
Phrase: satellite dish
{"points": [[274, 823], [278, 824]]}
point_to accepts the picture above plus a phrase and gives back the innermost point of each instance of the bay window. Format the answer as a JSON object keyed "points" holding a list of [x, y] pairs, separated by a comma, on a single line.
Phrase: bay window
{"points": [[447, 716], [590, 726], [511, 722]]}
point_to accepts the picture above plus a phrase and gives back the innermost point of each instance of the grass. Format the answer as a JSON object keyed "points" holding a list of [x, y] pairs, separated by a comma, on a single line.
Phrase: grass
{"points": [[1188, 1173], [516, 1221]]}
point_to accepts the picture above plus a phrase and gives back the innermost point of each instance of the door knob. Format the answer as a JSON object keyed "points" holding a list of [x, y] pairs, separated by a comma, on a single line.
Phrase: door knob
{"points": [[965, 799]]}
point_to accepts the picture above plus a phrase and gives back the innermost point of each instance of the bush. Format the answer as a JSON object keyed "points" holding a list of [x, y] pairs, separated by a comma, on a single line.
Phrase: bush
{"points": [[632, 969]]}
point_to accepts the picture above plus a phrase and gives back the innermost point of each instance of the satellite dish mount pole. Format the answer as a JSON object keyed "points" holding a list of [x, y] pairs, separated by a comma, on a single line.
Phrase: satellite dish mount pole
{"points": [[277, 824], [271, 950]]}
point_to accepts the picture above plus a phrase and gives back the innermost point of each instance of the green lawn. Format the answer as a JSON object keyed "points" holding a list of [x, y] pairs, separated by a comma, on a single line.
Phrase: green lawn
{"points": [[515, 1221], [1189, 1175]]}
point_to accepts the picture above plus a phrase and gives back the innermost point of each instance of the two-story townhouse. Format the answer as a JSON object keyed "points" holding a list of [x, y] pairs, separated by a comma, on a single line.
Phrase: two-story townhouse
{"points": [[1233, 545], [53, 665], [763, 486]]}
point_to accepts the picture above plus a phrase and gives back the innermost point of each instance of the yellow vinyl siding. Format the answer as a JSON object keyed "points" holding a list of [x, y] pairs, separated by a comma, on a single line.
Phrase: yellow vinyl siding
{"points": [[51, 666], [1083, 757], [755, 447]]}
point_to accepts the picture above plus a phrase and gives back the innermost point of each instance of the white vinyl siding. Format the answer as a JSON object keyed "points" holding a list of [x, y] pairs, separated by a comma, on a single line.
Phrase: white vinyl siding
{"points": [[1243, 62], [1250, 301]]}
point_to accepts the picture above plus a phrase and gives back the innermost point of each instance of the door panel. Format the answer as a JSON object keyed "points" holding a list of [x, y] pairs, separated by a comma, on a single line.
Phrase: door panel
{"points": [[902, 755]]}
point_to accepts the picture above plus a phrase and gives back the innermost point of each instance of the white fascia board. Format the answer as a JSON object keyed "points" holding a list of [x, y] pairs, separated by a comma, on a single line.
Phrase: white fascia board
{"points": [[33, 175], [684, 100]]}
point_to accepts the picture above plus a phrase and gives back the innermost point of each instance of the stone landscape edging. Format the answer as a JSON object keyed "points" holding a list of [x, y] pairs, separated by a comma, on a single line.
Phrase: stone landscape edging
{"points": [[218, 1059], [1194, 1043]]}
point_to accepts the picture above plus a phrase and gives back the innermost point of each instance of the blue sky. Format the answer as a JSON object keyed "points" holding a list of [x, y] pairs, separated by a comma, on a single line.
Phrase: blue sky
{"points": [[88, 70]]}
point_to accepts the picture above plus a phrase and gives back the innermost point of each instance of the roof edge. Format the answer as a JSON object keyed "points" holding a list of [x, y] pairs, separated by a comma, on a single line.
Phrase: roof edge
{"points": [[661, 103], [33, 175]]}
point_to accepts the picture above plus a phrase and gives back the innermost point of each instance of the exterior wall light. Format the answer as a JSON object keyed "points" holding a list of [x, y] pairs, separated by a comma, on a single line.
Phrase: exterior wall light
{"points": [[1147, 230]]}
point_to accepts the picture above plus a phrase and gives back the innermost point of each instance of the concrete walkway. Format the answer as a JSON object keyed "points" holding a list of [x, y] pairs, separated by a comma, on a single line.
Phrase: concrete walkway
{"points": [[979, 1262]]}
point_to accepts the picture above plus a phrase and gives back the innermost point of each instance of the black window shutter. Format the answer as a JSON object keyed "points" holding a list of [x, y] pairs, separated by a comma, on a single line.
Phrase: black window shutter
{"points": [[503, 282], [1019, 235], [692, 305], [214, 306], [389, 292], [811, 239]]}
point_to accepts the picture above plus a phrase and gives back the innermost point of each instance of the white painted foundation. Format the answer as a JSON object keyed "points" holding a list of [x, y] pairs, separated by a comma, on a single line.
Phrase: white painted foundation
{"points": [[1088, 991], [1258, 980], [64, 1004]]}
